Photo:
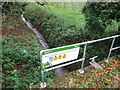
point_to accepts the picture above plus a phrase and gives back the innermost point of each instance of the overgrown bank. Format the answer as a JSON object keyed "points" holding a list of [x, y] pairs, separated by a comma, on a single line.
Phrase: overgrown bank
{"points": [[20, 55], [60, 31], [55, 29]]}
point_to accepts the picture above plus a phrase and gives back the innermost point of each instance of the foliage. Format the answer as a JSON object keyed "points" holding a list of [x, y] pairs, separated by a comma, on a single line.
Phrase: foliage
{"points": [[112, 28], [55, 29], [21, 65], [108, 77], [71, 11], [50, 83], [13, 8], [21, 61], [99, 15], [60, 31]]}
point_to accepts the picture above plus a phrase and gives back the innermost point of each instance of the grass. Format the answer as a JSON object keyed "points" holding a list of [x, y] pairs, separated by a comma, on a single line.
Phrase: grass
{"points": [[68, 11]]}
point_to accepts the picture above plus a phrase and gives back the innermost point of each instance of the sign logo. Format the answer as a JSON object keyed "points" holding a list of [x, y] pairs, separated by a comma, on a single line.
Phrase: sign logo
{"points": [[50, 59]]}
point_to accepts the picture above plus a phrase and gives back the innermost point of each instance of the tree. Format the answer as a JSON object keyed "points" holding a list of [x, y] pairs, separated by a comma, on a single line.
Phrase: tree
{"points": [[99, 15], [13, 7]]}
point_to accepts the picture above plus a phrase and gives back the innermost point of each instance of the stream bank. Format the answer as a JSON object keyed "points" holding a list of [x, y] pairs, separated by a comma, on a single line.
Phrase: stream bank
{"points": [[59, 71]]}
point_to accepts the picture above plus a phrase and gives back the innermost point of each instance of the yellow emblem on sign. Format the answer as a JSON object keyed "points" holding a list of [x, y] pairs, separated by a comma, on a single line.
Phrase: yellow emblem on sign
{"points": [[60, 57], [55, 58], [64, 56]]}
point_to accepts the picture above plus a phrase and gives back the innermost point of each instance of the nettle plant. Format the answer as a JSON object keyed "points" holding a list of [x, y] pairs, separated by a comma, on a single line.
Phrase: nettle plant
{"points": [[21, 61]]}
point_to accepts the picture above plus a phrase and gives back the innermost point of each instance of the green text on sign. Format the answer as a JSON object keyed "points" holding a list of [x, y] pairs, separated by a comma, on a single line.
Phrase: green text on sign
{"points": [[60, 49]]}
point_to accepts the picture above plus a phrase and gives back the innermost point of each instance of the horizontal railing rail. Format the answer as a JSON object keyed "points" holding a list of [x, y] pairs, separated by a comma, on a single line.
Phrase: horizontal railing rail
{"points": [[84, 54]]}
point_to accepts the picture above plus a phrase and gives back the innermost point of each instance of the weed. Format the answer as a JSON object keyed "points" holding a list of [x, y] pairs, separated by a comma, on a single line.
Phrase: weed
{"points": [[51, 83], [100, 70], [93, 83], [84, 86]]}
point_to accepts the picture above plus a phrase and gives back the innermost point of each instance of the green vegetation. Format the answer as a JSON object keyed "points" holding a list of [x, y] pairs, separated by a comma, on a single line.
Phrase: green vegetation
{"points": [[57, 30], [108, 77], [69, 11], [102, 15], [53, 21], [18, 66], [61, 24], [20, 56], [13, 8]]}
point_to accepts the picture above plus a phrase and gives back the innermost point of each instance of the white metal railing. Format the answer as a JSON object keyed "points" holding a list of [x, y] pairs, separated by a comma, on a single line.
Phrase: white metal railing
{"points": [[84, 53], [43, 84]]}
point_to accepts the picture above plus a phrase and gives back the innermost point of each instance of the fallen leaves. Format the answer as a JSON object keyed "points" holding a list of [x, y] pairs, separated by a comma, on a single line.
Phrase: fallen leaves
{"points": [[105, 78]]}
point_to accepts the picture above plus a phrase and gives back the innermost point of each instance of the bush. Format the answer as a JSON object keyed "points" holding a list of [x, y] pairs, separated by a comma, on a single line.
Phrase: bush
{"points": [[101, 16], [13, 8], [59, 32], [112, 29], [56, 30]]}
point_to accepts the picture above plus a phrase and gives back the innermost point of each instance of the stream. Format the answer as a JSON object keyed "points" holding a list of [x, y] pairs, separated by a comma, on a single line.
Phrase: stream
{"points": [[59, 71]]}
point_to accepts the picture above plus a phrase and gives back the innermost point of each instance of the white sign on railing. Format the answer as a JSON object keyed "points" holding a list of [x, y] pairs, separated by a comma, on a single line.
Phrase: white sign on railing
{"points": [[60, 55], [67, 53]]}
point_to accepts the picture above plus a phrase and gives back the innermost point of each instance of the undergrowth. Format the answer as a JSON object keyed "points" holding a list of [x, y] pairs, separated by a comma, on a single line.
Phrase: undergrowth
{"points": [[21, 60], [60, 31]]}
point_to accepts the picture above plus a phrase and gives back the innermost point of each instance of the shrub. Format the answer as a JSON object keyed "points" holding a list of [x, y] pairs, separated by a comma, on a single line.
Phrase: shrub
{"points": [[13, 8], [99, 16], [59, 32], [56, 30]]}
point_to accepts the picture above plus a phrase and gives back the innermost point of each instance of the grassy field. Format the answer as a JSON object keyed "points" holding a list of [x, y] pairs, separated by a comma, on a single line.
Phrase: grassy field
{"points": [[69, 11]]}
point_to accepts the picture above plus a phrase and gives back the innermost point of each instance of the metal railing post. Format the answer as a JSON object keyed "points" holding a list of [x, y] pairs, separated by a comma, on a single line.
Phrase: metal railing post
{"points": [[110, 50], [84, 53], [43, 84]]}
